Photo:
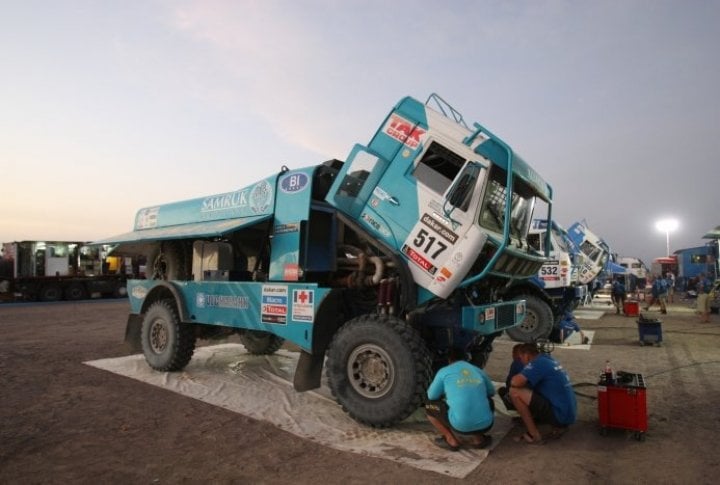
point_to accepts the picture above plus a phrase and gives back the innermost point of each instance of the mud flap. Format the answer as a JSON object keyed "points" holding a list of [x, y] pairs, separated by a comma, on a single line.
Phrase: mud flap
{"points": [[132, 333], [308, 371]]}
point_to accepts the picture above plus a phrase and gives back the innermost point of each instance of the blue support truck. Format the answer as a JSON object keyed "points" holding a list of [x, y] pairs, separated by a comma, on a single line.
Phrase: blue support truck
{"points": [[373, 267], [576, 258]]}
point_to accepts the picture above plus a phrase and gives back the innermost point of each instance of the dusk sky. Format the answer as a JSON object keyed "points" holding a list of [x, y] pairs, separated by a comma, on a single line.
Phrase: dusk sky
{"points": [[110, 106]]}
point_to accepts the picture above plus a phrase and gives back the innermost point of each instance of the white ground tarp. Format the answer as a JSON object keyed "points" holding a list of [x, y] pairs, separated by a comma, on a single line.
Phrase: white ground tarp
{"points": [[261, 387]]}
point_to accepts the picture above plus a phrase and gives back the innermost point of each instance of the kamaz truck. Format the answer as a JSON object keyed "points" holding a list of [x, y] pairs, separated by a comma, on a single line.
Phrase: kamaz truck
{"points": [[556, 288], [595, 250], [374, 267]]}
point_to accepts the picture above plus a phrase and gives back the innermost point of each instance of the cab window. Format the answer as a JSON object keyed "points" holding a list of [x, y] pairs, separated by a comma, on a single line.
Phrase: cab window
{"points": [[492, 215], [438, 167]]}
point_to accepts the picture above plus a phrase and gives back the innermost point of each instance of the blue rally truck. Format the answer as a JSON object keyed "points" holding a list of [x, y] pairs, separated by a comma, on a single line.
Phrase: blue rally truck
{"points": [[577, 257], [373, 267]]}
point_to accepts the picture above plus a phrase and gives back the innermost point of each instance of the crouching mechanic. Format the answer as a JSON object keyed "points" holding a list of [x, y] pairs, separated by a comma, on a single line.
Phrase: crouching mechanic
{"points": [[542, 393], [466, 413]]}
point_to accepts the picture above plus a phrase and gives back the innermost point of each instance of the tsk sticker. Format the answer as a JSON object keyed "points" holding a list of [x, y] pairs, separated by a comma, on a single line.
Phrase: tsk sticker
{"points": [[404, 131]]}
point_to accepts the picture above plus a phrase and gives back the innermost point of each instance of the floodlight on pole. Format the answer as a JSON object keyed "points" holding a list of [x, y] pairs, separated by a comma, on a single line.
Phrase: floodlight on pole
{"points": [[667, 226]]}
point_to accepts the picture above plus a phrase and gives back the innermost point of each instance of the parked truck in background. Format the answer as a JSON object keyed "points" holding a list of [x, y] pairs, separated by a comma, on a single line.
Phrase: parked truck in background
{"points": [[380, 263], [595, 251], [577, 256], [59, 270], [637, 269]]}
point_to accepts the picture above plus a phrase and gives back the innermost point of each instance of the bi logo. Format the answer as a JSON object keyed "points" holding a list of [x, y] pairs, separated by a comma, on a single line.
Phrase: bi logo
{"points": [[294, 183]]}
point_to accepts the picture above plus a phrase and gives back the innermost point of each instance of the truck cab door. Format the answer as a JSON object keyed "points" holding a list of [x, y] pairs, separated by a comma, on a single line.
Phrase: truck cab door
{"points": [[430, 209]]}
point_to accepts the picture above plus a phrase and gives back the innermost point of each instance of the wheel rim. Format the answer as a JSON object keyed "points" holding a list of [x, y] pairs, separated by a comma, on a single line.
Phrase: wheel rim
{"points": [[530, 323], [371, 371], [158, 336]]}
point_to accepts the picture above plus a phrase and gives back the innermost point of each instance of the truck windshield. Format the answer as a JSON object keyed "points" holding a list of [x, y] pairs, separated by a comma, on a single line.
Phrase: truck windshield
{"points": [[591, 251], [492, 215], [559, 241]]}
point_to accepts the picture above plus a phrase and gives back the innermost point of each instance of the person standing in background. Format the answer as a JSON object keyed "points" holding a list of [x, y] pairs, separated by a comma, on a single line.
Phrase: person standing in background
{"points": [[703, 288]]}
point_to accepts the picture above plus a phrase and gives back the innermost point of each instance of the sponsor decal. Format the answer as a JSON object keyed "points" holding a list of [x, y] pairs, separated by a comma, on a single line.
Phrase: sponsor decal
{"points": [[229, 200], [489, 314], [139, 292], [274, 304], [286, 228], [147, 218], [294, 183], [418, 259], [437, 226], [303, 305], [204, 300], [291, 272], [550, 278], [380, 193], [375, 224], [261, 197], [444, 275], [404, 131]]}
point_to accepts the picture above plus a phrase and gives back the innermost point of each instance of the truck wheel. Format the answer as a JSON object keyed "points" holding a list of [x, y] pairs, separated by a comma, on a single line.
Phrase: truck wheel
{"points": [[168, 344], [75, 292], [538, 322], [169, 264], [258, 342], [378, 369], [50, 293]]}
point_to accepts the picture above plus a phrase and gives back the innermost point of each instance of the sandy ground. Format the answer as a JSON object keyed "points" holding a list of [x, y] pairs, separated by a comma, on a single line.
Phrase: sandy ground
{"points": [[62, 421]]}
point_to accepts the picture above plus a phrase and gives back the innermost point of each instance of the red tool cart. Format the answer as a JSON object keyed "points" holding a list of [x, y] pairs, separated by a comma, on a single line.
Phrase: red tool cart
{"points": [[622, 404]]}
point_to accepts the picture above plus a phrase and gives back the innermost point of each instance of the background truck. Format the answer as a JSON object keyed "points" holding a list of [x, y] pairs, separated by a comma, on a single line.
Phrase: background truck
{"points": [[59, 270], [373, 267], [576, 257]]}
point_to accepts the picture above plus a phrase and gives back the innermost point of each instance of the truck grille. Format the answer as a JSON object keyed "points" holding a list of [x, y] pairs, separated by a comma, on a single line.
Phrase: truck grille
{"points": [[505, 316]]}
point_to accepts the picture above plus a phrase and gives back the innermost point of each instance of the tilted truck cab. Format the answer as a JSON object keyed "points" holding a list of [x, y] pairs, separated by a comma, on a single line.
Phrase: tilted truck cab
{"points": [[374, 266]]}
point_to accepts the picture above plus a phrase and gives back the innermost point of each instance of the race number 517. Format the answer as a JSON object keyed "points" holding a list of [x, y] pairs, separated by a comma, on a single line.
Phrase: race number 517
{"points": [[429, 244]]}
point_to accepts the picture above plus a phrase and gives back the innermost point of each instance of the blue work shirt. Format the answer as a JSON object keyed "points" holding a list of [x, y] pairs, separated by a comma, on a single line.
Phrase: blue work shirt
{"points": [[568, 326], [546, 376], [466, 389]]}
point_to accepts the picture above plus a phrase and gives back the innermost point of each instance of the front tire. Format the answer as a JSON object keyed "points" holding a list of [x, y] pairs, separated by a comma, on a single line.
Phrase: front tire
{"points": [[168, 344], [538, 322], [378, 369]]}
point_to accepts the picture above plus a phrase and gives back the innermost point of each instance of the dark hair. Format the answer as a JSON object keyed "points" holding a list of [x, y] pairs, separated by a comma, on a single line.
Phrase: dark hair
{"points": [[529, 349], [456, 353]]}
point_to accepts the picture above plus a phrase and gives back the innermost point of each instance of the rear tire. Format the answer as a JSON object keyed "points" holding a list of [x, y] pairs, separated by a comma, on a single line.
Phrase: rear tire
{"points": [[168, 344], [538, 321], [258, 342], [75, 292], [50, 293], [378, 369]]}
